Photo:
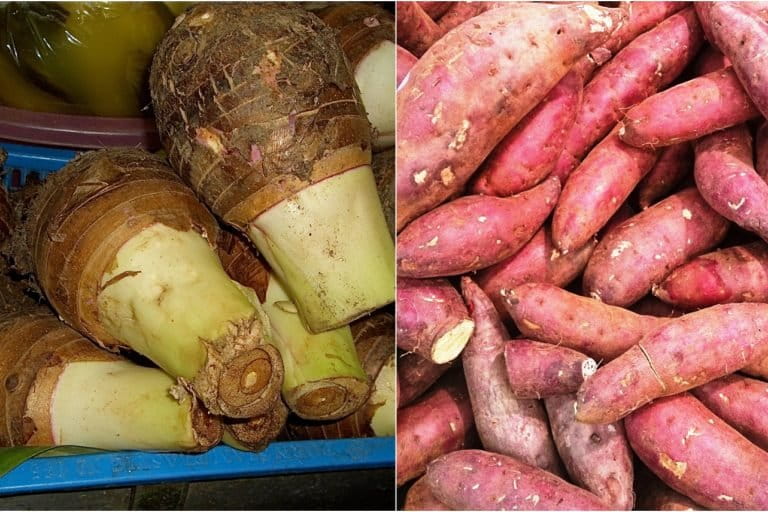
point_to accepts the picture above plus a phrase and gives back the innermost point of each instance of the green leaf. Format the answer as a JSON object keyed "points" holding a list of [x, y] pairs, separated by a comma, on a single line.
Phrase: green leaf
{"points": [[12, 457]]}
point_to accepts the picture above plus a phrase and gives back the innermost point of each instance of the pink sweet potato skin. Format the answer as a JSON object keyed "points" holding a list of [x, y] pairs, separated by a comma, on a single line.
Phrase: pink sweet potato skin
{"points": [[742, 35], [761, 151], [597, 457], [438, 423], [552, 315], [449, 121], [734, 274], [710, 59], [405, 61], [463, 11], [539, 262], [692, 451], [597, 189], [540, 370], [480, 480], [529, 152], [435, 10], [473, 232], [646, 65], [679, 355], [415, 375], [741, 402], [506, 425], [416, 31], [420, 497], [427, 309], [688, 111], [727, 180], [646, 248], [673, 164]]}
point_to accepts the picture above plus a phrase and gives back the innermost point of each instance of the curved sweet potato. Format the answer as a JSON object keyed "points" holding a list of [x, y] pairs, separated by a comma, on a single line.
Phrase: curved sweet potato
{"points": [[529, 152], [547, 313], [538, 261], [688, 111], [644, 249], [420, 497], [432, 320], [691, 450], [449, 121], [540, 370], [597, 189], [679, 355], [597, 457], [734, 274], [673, 164], [473, 232], [506, 425], [480, 480]]}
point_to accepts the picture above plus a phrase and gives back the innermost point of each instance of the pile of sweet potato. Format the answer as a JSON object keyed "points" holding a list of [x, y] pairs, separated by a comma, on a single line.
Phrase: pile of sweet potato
{"points": [[582, 217]]}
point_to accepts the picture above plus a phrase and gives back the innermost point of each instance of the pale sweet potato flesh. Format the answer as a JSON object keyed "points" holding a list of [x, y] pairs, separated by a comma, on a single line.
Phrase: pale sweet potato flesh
{"points": [[481, 480], [646, 65], [538, 261], [439, 423], [597, 189], [673, 164], [597, 457], [741, 402], [688, 111], [699, 455], [643, 250], [444, 112], [432, 320], [473, 232], [683, 353], [529, 152], [540, 370], [734, 274], [726, 179], [550, 314], [506, 425]]}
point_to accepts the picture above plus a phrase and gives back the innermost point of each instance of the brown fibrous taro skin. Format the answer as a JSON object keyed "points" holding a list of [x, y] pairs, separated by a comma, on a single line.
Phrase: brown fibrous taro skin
{"points": [[256, 103], [80, 220]]}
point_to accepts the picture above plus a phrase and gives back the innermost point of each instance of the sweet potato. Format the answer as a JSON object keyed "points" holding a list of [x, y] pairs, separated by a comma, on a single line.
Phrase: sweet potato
{"points": [[646, 65], [435, 10], [692, 451], [644, 249], [529, 152], [432, 320], [405, 61], [710, 59], [462, 11], [473, 232], [673, 164], [416, 31], [642, 16], [538, 261], [449, 120], [741, 402], [547, 313], [420, 497], [761, 151], [415, 375], [742, 35], [506, 425], [438, 423], [688, 111], [597, 457], [726, 179], [679, 355], [596, 190], [540, 370], [480, 480], [653, 494], [735, 274]]}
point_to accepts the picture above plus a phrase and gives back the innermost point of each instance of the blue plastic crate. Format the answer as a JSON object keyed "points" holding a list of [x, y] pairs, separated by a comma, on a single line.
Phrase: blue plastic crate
{"points": [[121, 469]]}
